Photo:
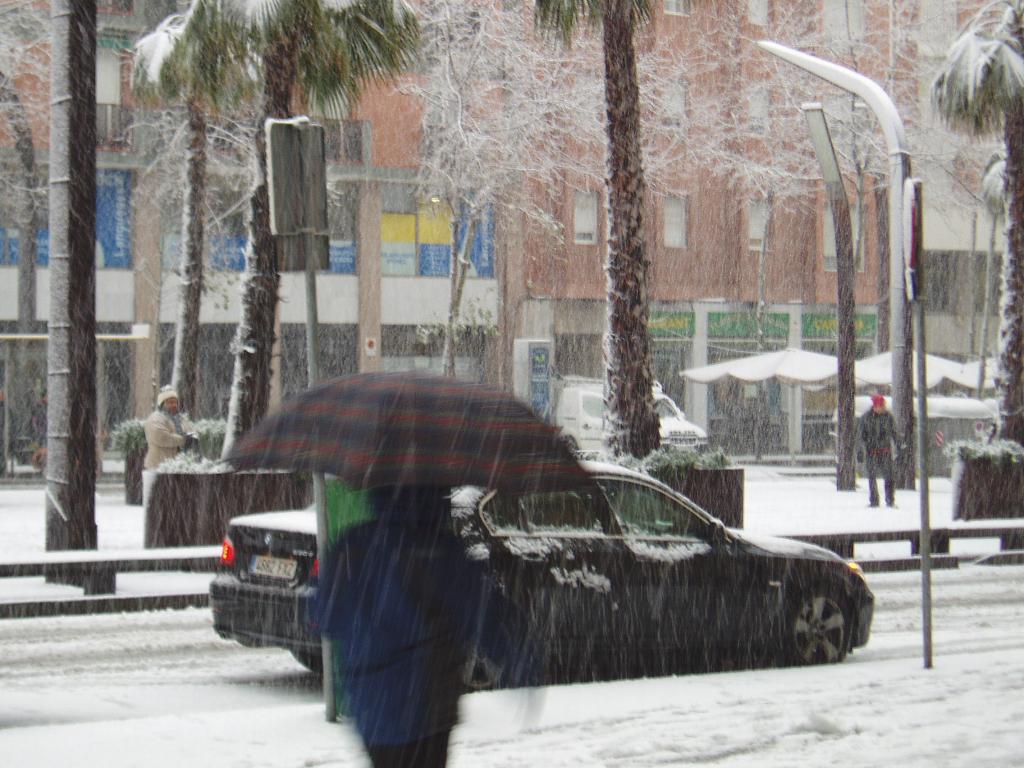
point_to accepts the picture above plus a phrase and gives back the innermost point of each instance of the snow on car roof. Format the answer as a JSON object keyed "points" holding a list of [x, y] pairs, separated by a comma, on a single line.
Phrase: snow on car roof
{"points": [[290, 520]]}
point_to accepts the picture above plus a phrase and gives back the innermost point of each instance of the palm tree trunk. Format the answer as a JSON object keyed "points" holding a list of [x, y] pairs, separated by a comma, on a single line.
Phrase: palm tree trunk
{"points": [[254, 340], [986, 307], [1011, 331], [71, 351], [186, 340], [630, 382]]}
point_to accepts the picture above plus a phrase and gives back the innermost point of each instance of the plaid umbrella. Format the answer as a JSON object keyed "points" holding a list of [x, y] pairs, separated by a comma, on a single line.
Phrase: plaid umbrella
{"points": [[380, 429]]}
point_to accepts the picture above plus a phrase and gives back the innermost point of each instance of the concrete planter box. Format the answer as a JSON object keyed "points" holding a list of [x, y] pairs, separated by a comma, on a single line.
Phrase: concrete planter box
{"points": [[719, 491], [184, 510], [984, 489]]}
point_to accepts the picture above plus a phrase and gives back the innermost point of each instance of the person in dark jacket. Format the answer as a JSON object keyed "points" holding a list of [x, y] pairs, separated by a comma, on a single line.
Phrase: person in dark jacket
{"points": [[408, 608], [877, 435]]}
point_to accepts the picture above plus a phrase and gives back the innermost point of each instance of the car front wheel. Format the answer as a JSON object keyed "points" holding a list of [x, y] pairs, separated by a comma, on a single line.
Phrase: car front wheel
{"points": [[817, 629]]}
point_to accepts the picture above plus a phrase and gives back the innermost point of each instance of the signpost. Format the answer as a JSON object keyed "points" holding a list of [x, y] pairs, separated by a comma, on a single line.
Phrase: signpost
{"points": [[914, 277], [297, 180]]}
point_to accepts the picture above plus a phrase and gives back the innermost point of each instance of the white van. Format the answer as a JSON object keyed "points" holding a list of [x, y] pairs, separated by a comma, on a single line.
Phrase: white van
{"points": [[580, 412]]}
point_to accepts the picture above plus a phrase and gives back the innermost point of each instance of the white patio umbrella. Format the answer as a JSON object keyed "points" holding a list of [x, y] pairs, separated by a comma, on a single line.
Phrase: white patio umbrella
{"points": [[877, 371], [789, 366], [968, 374]]}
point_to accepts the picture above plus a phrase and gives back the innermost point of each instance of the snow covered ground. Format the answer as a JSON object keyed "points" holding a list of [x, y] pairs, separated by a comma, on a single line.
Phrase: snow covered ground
{"points": [[161, 689]]}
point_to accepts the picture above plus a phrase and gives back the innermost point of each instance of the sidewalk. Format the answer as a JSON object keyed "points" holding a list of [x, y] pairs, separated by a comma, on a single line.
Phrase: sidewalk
{"points": [[779, 500]]}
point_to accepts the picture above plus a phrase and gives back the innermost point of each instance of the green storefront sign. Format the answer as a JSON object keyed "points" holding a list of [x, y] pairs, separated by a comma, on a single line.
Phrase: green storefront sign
{"points": [[743, 325], [824, 326], [667, 325]]}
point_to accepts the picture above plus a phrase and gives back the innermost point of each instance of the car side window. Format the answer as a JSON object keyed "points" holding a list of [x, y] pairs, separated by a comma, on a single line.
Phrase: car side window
{"points": [[644, 511], [549, 513]]}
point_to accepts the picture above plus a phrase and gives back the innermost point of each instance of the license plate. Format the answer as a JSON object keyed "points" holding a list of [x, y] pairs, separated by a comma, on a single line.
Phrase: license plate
{"points": [[273, 567]]}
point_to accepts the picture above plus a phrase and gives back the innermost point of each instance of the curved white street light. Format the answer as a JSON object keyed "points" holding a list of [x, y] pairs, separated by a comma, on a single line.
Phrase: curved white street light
{"points": [[872, 94]]}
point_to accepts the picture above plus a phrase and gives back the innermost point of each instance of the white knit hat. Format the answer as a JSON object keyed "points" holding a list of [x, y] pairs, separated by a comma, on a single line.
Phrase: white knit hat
{"points": [[165, 394]]}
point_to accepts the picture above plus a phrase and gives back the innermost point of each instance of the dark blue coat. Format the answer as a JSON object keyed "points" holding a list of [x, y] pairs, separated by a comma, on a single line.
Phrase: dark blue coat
{"points": [[407, 607]]}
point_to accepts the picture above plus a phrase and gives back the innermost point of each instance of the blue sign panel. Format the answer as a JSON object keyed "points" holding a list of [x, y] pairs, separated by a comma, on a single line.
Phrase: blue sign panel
{"points": [[43, 248], [342, 257], [435, 259], [114, 219], [228, 252], [482, 256]]}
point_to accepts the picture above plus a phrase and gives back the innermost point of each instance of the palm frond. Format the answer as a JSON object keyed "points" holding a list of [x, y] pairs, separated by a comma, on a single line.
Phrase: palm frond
{"points": [[152, 52], [361, 42], [983, 74]]}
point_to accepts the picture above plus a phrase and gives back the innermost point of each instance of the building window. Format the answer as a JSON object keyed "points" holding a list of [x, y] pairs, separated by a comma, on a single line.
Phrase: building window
{"points": [[677, 7], [675, 214], [829, 244], [757, 12], [111, 118], [759, 106], [757, 222], [676, 103], [585, 217], [844, 19]]}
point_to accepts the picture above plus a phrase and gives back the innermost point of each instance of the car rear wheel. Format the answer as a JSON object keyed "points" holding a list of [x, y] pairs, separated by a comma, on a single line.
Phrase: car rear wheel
{"points": [[311, 660], [817, 629]]}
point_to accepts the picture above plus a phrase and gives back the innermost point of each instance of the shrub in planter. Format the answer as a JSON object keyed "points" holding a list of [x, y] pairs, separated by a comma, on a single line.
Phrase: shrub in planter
{"points": [[211, 436], [988, 479], [129, 439], [705, 478], [189, 499]]}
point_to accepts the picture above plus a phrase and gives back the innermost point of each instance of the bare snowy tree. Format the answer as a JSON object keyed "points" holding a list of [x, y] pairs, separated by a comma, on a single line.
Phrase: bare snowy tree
{"points": [[24, 53], [496, 102]]}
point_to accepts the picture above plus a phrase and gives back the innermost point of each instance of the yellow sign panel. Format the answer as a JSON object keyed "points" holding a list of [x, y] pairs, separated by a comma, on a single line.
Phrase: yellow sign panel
{"points": [[435, 224]]}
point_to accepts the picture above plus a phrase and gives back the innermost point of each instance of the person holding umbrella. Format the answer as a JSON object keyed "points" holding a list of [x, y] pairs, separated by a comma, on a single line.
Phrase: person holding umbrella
{"points": [[877, 433], [408, 609], [397, 590]]}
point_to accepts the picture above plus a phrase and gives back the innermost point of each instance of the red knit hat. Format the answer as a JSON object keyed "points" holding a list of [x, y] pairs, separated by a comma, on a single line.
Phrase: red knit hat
{"points": [[877, 400]]}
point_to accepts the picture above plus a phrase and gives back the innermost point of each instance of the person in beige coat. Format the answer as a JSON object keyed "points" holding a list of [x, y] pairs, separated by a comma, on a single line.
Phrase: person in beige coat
{"points": [[168, 431]]}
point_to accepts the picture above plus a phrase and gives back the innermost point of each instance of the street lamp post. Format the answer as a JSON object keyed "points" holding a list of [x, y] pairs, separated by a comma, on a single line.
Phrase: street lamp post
{"points": [[900, 330], [845, 304]]}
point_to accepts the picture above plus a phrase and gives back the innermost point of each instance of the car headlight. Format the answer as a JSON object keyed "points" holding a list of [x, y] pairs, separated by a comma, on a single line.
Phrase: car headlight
{"points": [[855, 567]]}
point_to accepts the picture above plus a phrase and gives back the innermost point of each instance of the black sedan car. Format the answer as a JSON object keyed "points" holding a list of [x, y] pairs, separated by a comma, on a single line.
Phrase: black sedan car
{"points": [[631, 580]]}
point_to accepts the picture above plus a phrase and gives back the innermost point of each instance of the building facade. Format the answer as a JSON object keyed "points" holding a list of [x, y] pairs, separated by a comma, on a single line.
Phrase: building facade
{"points": [[735, 216]]}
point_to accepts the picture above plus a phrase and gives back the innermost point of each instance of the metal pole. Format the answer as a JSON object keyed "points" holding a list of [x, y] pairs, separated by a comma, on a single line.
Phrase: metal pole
{"points": [[319, 487], [912, 210], [922, 463]]}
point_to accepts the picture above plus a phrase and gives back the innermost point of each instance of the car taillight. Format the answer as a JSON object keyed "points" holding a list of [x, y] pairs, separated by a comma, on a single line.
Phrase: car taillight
{"points": [[227, 553], [315, 570]]}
